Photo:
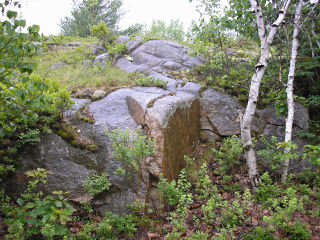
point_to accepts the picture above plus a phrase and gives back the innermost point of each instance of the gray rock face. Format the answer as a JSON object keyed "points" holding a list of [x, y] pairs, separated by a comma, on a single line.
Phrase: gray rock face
{"points": [[122, 39], [301, 116], [220, 118], [159, 56], [78, 104], [192, 87], [220, 113], [132, 45], [85, 93], [73, 44], [172, 85], [58, 65], [101, 59], [86, 62], [171, 119], [97, 50], [98, 94]]}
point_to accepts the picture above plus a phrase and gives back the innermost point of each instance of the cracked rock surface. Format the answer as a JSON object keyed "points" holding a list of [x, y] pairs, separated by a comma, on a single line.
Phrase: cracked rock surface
{"points": [[158, 56], [172, 119]]}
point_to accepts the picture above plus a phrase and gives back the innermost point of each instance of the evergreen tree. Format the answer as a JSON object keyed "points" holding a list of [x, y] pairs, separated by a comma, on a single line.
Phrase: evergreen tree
{"points": [[87, 13]]}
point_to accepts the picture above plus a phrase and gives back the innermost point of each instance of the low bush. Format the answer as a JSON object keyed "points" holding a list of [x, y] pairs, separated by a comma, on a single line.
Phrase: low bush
{"points": [[35, 214]]}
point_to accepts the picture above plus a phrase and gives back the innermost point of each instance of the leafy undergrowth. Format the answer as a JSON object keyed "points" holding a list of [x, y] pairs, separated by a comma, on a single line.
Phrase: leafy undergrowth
{"points": [[210, 200]]}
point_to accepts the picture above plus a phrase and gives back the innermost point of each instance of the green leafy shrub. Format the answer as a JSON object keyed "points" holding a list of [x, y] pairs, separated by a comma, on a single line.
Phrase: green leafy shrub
{"points": [[35, 214], [297, 231], [174, 190], [96, 184], [228, 155], [169, 189], [267, 190], [274, 151], [149, 81], [115, 49], [280, 98], [159, 30], [225, 70], [259, 233], [132, 148], [110, 227], [203, 183], [198, 235], [29, 104], [104, 34]]}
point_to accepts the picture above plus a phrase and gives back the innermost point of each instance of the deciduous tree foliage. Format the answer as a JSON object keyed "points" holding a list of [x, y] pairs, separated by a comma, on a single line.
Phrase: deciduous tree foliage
{"points": [[172, 31], [87, 13], [28, 104], [264, 21]]}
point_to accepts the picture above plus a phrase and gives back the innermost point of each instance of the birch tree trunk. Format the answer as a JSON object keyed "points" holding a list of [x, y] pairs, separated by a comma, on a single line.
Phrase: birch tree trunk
{"points": [[289, 90], [246, 119]]}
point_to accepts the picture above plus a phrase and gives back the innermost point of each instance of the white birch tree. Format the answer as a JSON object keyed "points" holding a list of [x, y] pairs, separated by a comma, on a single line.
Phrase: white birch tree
{"points": [[289, 90], [260, 68], [289, 87]]}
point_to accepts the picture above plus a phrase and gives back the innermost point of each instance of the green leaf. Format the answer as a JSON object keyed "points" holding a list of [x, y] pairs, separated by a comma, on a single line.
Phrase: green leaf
{"points": [[11, 14], [20, 201], [24, 80], [2, 133], [58, 204]]}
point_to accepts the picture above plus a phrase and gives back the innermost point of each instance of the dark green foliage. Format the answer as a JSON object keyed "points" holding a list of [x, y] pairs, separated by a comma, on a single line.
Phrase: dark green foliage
{"points": [[96, 184], [312, 178], [273, 151], [134, 29], [107, 38], [35, 214], [172, 31], [297, 231], [259, 233], [147, 81], [228, 155], [87, 13], [29, 105], [111, 227], [174, 190], [267, 190]]}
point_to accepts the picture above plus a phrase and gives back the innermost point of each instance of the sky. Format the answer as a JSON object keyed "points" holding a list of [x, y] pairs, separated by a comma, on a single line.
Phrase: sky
{"points": [[48, 13]]}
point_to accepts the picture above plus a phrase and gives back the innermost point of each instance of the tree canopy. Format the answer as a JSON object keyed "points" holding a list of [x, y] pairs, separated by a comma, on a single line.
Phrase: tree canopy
{"points": [[87, 13], [161, 30]]}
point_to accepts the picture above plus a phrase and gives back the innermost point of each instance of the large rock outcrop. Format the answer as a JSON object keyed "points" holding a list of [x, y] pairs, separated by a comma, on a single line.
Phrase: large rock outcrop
{"points": [[220, 118], [171, 119], [158, 56]]}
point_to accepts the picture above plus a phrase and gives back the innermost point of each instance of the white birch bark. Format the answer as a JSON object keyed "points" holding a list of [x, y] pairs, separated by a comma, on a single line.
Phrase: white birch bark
{"points": [[289, 89], [266, 41]]}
